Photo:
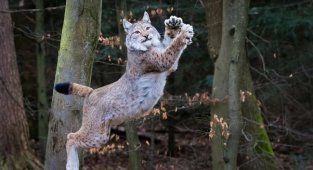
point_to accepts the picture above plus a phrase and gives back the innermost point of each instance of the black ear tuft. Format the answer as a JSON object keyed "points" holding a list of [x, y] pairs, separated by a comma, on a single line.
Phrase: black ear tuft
{"points": [[63, 88]]}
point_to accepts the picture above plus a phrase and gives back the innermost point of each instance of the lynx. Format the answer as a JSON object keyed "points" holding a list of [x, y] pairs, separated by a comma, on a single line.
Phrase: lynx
{"points": [[149, 62]]}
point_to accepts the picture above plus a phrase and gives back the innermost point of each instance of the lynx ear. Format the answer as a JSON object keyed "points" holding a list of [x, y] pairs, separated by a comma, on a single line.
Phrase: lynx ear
{"points": [[146, 17], [126, 25]]}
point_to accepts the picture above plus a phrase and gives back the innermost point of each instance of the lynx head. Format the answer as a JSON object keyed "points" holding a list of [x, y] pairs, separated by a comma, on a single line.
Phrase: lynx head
{"points": [[141, 35]]}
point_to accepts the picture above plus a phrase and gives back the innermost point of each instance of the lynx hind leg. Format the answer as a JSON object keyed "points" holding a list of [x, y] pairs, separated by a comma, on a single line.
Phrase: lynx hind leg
{"points": [[72, 162], [172, 28], [95, 138]]}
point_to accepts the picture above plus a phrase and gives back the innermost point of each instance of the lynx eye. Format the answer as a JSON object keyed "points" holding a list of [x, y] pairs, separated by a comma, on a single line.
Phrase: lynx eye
{"points": [[137, 32], [147, 28]]}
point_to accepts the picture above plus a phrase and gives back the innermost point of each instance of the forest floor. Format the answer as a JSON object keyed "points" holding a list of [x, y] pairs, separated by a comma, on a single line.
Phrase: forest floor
{"points": [[192, 152]]}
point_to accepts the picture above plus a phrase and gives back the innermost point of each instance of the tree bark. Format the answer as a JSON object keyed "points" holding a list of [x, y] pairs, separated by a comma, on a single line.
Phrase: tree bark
{"points": [[257, 152], [80, 34], [14, 147], [42, 101], [214, 18], [220, 92], [259, 147], [236, 13], [226, 84], [134, 145]]}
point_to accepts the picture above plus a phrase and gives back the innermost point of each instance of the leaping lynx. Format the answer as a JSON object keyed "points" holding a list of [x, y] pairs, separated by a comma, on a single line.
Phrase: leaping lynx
{"points": [[149, 62]]}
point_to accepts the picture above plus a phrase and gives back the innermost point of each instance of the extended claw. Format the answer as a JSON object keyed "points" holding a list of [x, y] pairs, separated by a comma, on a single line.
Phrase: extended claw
{"points": [[174, 22]]}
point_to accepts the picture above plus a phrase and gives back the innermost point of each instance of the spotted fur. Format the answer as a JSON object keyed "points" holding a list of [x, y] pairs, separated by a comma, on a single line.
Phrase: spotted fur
{"points": [[137, 91]]}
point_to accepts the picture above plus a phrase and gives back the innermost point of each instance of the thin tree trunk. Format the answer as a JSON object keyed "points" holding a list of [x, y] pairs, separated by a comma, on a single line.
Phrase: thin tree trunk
{"points": [[171, 137], [42, 101], [152, 145], [121, 10], [134, 146], [80, 34], [14, 147], [134, 162]]}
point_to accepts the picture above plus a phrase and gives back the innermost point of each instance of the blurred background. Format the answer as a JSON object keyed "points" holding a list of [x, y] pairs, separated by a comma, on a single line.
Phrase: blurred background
{"points": [[279, 47]]}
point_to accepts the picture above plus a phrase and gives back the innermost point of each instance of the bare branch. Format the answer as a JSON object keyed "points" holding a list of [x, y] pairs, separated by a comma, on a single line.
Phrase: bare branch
{"points": [[33, 10], [259, 52]]}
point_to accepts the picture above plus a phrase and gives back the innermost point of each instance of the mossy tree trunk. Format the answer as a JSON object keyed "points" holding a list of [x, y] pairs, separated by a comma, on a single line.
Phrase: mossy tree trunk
{"points": [[80, 34], [42, 101], [257, 152], [231, 61], [134, 162], [14, 146]]}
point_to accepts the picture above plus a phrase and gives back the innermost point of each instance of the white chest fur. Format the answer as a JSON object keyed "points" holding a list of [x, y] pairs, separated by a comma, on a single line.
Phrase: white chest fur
{"points": [[150, 89]]}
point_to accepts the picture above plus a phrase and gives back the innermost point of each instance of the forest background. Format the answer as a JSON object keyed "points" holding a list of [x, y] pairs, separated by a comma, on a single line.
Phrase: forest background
{"points": [[278, 45]]}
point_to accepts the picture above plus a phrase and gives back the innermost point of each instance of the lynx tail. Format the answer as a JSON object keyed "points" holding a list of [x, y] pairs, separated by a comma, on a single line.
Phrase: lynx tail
{"points": [[73, 88]]}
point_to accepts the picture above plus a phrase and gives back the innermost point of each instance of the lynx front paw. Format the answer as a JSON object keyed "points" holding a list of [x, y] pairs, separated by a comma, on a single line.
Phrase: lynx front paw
{"points": [[174, 22], [188, 29]]}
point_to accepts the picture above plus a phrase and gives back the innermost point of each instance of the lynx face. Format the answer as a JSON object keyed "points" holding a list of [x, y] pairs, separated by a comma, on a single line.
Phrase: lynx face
{"points": [[148, 64], [141, 35]]}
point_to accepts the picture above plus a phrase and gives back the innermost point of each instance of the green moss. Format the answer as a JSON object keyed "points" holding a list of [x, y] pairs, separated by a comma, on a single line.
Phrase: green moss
{"points": [[260, 145], [80, 33]]}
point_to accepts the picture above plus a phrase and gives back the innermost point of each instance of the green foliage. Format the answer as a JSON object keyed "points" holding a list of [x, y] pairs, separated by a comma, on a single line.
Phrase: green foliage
{"points": [[283, 39], [287, 23]]}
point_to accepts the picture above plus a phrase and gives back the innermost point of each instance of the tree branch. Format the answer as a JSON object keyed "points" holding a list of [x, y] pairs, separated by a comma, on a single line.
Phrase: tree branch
{"points": [[33, 10]]}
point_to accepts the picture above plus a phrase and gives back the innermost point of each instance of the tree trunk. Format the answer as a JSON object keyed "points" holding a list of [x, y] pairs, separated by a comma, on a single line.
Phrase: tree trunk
{"points": [[42, 101], [257, 152], [171, 137], [222, 90], [134, 162], [236, 13], [214, 18], [134, 146], [152, 145], [121, 10], [226, 85], [14, 146], [80, 34]]}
